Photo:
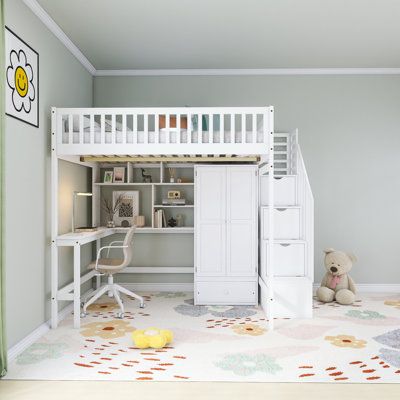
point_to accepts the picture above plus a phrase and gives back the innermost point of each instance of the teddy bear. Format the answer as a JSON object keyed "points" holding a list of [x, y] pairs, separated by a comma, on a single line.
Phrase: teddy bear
{"points": [[337, 284]]}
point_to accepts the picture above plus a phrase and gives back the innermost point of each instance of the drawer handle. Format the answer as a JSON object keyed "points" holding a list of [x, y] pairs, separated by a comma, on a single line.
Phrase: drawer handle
{"points": [[284, 244], [278, 177], [281, 209]]}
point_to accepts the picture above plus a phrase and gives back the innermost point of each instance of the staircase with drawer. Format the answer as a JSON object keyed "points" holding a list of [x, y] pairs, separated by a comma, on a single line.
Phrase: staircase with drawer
{"points": [[293, 235]]}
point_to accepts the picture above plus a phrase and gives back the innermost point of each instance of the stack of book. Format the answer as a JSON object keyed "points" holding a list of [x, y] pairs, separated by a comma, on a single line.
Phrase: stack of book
{"points": [[160, 220], [173, 202]]}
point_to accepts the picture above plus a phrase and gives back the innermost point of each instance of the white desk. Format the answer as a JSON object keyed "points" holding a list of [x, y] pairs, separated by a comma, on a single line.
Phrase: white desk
{"points": [[72, 291]]}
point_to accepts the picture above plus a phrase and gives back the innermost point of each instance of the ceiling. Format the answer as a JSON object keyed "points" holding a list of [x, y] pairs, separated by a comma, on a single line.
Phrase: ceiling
{"points": [[232, 34]]}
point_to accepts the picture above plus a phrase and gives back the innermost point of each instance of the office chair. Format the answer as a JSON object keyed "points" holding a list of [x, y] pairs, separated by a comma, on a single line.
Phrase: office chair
{"points": [[110, 266]]}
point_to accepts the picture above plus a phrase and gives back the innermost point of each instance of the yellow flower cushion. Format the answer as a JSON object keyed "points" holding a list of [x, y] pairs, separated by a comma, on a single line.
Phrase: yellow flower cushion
{"points": [[151, 337]]}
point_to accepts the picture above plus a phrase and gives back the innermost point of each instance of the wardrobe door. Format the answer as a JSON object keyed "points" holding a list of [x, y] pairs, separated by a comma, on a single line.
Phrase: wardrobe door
{"points": [[210, 230], [241, 221]]}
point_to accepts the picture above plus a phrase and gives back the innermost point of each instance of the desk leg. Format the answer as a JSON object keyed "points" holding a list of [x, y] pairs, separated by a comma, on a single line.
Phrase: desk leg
{"points": [[54, 285], [98, 277], [77, 286]]}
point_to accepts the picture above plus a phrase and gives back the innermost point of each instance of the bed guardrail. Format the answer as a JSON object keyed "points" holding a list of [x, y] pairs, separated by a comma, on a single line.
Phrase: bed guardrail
{"points": [[162, 131]]}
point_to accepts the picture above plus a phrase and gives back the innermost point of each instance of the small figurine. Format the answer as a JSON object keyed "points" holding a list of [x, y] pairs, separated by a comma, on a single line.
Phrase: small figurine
{"points": [[146, 177], [172, 222]]}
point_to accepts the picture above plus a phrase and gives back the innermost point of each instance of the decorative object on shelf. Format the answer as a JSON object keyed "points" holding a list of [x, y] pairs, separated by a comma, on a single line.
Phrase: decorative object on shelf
{"points": [[108, 176], [337, 284], [125, 223], [174, 194], [151, 337], [111, 207], [146, 177], [22, 76], [172, 172], [119, 175], [172, 222], [179, 180], [129, 207], [139, 221], [180, 220], [74, 197]]}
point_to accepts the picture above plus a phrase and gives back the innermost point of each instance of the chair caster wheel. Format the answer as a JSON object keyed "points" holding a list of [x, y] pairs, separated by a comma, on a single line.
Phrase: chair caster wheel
{"points": [[120, 315], [82, 304], [142, 305], [83, 314]]}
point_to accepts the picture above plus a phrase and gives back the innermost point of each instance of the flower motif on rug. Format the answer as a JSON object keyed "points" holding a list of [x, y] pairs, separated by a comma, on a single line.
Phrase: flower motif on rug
{"points": [[41, 351], [246, 364], [217, 311], [248, 329], [393, 303], [170, 295], [99, 307], [365, 314], [107, 330], [391, 339], [346, 341]]}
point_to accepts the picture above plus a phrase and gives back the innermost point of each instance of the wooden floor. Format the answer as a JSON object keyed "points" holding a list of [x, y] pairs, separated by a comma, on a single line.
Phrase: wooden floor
{"points": [[46, 390]]}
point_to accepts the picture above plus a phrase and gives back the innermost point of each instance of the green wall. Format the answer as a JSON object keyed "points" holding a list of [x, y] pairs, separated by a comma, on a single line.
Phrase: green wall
{"points": [[349, 129], [63, 82]]}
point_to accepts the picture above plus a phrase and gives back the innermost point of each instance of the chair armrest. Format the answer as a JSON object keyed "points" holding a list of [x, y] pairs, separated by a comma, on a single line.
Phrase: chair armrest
{"points": [[106, 247], [111, 244]]}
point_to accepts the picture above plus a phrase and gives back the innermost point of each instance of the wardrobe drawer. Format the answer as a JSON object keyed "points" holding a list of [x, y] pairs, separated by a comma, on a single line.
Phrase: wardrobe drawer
{"points": [[289, 259], [229, 293], [284, 191], [286, 223]]}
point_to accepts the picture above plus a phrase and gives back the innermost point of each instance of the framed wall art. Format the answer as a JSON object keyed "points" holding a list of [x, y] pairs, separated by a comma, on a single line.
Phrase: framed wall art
{"points": [[22, 79]]}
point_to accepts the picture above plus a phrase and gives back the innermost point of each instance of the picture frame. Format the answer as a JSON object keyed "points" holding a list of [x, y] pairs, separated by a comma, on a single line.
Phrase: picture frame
{"points": [[22, 79], [119, 175], [108, 177], [129, 209]]}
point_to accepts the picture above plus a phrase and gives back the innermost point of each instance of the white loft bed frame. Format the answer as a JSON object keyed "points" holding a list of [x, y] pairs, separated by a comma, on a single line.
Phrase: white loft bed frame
{"points": [[116, 134]]}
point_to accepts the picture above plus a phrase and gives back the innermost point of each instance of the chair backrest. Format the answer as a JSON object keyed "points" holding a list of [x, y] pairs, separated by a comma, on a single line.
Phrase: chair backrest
{"points": [[128, 251]]}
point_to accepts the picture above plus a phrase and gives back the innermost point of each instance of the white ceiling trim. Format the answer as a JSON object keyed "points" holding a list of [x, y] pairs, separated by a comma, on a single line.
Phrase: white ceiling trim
{"points": [[249, 72], [59, 33]]}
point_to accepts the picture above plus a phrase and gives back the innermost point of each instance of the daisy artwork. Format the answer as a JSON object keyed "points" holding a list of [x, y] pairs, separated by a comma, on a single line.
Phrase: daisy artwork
{"points": [[22, 80]]}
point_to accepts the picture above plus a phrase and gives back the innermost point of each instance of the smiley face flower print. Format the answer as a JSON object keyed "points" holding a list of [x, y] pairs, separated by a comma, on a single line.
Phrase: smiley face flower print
{"points": [[20, 80]]}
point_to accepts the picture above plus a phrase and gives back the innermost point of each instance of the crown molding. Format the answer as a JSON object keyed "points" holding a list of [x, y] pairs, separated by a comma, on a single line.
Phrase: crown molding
{"points": [[59, 33], [249, 72]]}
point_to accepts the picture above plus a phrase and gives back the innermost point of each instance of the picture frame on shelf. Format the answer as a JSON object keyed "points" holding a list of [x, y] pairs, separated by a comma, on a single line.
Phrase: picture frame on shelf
{"points": [[128, 209], [119, 175], [108, 177]]}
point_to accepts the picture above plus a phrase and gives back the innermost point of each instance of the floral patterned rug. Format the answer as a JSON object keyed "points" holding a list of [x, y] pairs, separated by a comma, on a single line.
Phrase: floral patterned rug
{"points": [[358, 343]]}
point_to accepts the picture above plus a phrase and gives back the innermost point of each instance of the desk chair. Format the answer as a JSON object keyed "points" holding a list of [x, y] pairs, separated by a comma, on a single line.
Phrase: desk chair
{"points": [[110, 266]]}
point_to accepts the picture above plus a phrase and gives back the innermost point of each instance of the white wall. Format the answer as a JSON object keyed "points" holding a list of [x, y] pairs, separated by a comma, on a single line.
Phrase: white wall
{"points": [[63, 82], [349, 133]]}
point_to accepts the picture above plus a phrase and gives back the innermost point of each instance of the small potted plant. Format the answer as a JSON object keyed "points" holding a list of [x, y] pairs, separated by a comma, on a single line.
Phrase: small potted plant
{"points": [[111, 209]]}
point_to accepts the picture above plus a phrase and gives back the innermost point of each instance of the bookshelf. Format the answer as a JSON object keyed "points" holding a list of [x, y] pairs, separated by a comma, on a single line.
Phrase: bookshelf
{"points": [[151, 194]]}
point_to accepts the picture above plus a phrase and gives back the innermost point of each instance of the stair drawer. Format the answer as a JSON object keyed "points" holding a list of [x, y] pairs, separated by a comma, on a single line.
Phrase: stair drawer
{"points": [[222, 292], [289, 259], [284, 191], [286, 223]]}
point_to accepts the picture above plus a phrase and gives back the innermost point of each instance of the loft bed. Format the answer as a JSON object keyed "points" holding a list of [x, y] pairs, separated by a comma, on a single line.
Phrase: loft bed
{"points": [[95, 137], [189, 132]]}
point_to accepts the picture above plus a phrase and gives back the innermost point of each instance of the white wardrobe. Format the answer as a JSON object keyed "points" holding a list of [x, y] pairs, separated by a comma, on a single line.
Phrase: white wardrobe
{"points": [[226, 243]]}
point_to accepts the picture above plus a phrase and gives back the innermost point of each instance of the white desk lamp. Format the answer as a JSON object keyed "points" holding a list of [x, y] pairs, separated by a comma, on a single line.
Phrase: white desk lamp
{"points": [[81, 229]]}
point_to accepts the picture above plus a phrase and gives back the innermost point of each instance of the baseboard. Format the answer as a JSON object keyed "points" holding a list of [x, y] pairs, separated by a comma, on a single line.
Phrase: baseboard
{"points": [[41, 330], [159, 287], [372, 287]]}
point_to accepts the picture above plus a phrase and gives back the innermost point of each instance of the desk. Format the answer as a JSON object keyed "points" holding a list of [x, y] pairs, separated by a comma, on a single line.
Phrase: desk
{"points": [[72, 291]]}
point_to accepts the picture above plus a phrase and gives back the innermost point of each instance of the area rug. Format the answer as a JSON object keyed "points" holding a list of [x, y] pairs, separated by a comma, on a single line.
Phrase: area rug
{"points": [[358, 343]]}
